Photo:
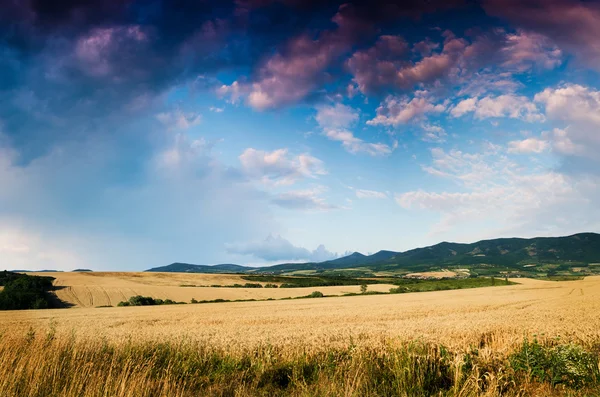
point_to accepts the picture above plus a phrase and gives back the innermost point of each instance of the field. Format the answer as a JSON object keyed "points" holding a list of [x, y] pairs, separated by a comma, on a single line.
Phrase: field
{"points": [[481, 330], [110, 288]]}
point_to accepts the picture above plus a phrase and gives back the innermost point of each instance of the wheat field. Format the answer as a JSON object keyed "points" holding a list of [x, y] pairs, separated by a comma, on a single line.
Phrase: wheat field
{"points": [[457, 318], [470, 342], [93, 289]]}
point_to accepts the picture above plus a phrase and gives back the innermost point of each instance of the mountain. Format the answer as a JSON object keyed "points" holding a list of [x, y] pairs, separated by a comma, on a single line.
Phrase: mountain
{"points": [[550, 253], [82, 270], [189, 268]]}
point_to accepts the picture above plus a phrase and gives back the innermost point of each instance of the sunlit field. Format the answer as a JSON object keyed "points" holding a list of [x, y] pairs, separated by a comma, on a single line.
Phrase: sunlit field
{"points": [[108, 289], [459, 342]]}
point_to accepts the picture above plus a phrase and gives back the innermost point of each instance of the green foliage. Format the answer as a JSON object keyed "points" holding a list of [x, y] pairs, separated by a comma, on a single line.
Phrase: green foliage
{"points": [[315, 294], [414, 285], [363, 288], [22, 292], [139, 300], [312, 281], [566, 364]]}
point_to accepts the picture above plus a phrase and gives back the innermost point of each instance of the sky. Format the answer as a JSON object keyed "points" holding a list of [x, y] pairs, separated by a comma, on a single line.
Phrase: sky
{"points": [[137, 133]]}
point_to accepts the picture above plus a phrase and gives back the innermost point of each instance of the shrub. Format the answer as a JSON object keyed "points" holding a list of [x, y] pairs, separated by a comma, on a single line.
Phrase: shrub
{"points": [[22, 291], [139, 300], [566, 364], [316, 294]]}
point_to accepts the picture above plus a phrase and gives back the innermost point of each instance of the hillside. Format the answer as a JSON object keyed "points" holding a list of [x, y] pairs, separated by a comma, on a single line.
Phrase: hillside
{"points": [[547, 256], [189, 268]]}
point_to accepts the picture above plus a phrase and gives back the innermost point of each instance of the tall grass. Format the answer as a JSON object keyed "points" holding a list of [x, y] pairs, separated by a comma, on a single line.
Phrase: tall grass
{"points": [[51, 365]]}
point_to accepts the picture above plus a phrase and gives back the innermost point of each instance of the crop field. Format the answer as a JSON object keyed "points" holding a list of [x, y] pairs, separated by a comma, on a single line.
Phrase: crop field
{"points": [[454, 318], [110, 288], [456, 343]]}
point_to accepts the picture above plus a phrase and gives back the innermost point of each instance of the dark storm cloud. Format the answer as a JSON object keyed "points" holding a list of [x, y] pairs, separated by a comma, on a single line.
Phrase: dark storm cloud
{"points": [[83, 66]]}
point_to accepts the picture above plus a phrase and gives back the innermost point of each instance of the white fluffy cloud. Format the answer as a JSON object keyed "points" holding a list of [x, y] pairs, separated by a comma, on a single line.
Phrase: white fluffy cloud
{"points": [[279, 167], [508, 105], [395, 111], [495, 192], [277, 248], [529, 145], [336, 116], [335, 122], [356, 145], [575, 111]]}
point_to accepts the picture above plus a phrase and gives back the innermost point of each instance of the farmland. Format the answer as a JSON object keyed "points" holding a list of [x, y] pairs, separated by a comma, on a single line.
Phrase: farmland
{"points": [[108, 289], [233, 348]]}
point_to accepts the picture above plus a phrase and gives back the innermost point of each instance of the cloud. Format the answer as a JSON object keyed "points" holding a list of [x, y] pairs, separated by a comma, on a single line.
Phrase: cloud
{"points": [[336, 116], [525, 50], [370, 194], [306, 200], [279, 167], [573, 25], [508, 105], [179, 120], [493, 52], [433, 133], [356, 145], [94, 199], [395, 111], [497, 194], [335, 121], [299, 68], [375, 70], [576, 109], [571, 102], [276, 248], [529, 145]]}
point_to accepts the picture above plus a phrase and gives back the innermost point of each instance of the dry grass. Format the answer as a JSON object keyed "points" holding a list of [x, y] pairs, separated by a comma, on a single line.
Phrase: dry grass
{"points": [[109, 288]]}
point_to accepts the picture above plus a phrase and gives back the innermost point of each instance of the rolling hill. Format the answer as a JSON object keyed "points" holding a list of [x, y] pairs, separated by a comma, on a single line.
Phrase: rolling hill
{"points": [[547, 254], [178, 267]]}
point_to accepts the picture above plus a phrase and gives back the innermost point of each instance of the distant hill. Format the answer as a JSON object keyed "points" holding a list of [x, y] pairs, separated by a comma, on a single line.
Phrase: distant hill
{"points": [[36, 271], [82, 270], [189, 268], [550, 253]]}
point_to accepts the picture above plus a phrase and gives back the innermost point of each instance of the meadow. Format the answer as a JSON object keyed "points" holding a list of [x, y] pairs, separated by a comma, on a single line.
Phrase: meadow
{"points": [[534, 338]]}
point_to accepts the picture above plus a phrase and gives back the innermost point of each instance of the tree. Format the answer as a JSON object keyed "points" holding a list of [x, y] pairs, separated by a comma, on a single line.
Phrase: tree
{"points": [[363, 288]]}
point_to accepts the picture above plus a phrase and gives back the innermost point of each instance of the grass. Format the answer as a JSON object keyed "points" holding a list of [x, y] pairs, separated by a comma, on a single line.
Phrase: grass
{"points": [[411, 285], [48, 365], [313, 281]]}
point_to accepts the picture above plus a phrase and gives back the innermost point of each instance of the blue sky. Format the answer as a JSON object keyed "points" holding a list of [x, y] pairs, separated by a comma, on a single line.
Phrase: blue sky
{"points": [[138, 133]]}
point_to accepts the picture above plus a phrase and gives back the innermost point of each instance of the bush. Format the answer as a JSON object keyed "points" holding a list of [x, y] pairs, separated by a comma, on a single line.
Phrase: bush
{"points": [[567, 364], [253, 285], [22, 292], [316, 294], [139, 300]]}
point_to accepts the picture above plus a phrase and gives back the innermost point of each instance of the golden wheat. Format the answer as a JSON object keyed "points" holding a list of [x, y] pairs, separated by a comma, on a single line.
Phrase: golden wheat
{"points": [[460, 318], [109, 288]]}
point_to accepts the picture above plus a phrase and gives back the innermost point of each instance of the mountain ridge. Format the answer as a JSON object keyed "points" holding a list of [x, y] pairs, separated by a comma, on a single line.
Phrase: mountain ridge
{"points": [[506, 252]]}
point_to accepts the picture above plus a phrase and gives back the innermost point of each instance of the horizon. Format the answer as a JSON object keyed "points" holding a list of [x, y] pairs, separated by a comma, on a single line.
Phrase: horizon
{"points": [[259, 132], [346, 254]]}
